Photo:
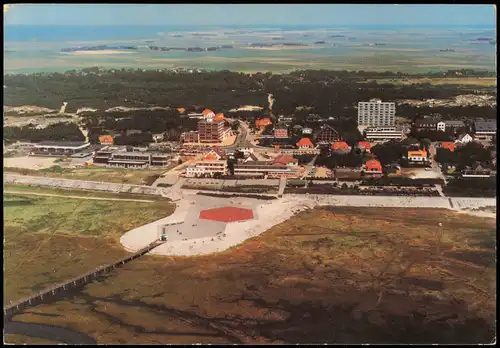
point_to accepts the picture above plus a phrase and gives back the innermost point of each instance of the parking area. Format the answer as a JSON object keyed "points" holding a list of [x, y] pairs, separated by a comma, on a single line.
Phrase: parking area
{"points": [[29, 162], [420, 173]]}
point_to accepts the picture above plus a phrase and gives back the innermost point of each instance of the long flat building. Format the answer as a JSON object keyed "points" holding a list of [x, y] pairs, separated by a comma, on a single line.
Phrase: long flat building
{"points": [[383, 133], [58, 148], [116, 157]]}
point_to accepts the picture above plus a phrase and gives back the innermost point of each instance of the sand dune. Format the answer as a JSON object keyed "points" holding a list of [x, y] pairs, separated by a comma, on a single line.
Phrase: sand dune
{"points": [[96, 53]]}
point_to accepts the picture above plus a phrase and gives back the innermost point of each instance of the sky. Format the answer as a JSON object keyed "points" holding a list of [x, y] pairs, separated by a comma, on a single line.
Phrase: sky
{"points": [[249, 14]]}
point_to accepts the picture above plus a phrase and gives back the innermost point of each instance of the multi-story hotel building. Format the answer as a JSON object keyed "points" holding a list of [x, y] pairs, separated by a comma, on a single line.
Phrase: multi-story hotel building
{"points": [[207, 167], [210, 131], [376, 113]]}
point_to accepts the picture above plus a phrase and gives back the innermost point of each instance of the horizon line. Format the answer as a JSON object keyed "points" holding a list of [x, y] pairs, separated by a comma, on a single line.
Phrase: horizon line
{"points": [[251, 25]]}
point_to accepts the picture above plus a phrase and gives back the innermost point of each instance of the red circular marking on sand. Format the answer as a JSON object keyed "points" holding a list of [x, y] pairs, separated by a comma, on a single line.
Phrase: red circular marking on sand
{"points": [[227, 214]]}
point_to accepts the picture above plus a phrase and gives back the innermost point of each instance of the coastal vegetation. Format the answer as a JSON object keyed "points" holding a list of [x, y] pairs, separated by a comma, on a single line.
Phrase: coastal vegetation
{"points": [[55, 132], [335, 274], [327, 92]]}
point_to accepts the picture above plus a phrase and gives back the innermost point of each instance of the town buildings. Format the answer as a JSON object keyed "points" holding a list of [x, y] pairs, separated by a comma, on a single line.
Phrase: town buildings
{"points": [[59, 148], [304, 143], [263, 168], [464, 139], [307, 131], [448, 145], [207, 167], [427, 124], [453, 126], [119, 157], [285, 119], [219, 117], [364, 146], [285, 159], [485, 130], [417, 156], [376, 113], [373, 166], [327, 135], [190, 137], [211, 131], [281, 133], [378, 134], [106, 140], [208, 114], [341, 147], [264, 122]]}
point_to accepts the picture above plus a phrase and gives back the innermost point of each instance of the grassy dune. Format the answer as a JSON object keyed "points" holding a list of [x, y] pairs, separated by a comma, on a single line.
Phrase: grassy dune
{"points": [[116, 175], [344, 275], [50, 239]]}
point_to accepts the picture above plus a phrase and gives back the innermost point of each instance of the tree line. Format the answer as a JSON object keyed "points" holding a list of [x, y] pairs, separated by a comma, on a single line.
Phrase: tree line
{"points": [[54, 132]]}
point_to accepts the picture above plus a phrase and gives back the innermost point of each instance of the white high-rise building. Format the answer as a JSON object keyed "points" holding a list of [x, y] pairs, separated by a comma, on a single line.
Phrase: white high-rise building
{"points": [[376, 113]]}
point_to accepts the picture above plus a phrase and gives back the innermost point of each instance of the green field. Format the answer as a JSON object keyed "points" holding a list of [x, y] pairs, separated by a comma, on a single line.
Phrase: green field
{"points": [[116, 175], [81, 193], [50, 239]]}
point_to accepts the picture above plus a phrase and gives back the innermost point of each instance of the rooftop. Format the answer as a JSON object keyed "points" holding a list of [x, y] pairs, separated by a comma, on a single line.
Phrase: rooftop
{"points": [[227, 214], [63, 143], [305, 142], [489, 125]]}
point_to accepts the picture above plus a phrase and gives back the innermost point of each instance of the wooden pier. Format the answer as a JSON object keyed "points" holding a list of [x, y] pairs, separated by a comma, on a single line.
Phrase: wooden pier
{"points": [[35, 299]]}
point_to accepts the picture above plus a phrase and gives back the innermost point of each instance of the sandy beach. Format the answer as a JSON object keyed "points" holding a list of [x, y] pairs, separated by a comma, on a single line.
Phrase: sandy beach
{"points": [[282, 48], [216, 237], [97, 53]]}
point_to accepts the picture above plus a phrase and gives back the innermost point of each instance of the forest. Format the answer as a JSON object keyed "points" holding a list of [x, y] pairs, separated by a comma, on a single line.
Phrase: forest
{"points": [[327, 92], [55, 132], [331, 95]]}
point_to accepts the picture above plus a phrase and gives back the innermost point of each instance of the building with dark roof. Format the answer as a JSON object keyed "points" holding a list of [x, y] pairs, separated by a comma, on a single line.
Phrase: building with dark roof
{"points": [[426, 124], [489, 126], [59, 148], [327, 135]]}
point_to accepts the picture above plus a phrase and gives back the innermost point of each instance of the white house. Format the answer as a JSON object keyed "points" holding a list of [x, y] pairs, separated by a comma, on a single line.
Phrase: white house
{"points": [[307, 131], [158, 137], [441, 126], [464, 139]]}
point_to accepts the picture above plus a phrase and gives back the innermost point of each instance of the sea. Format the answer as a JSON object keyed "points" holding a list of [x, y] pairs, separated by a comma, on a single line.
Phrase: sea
{"points": [[396, 48]]}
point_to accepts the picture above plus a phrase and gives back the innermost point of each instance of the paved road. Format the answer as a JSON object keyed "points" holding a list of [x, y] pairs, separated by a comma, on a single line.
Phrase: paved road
{"points": [[461, 202], [78, 197], [80, 184], [282, 186], [434, 164]]}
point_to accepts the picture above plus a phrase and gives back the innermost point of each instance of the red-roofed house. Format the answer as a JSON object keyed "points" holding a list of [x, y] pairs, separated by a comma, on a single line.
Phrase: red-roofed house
{"points": [[448, 145], [364, 146], [373, 167], [304, 143], [286, 160], [207, 113], [214, 155], [219, 117], [263, 123], [341, 146], [281, 133]]}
